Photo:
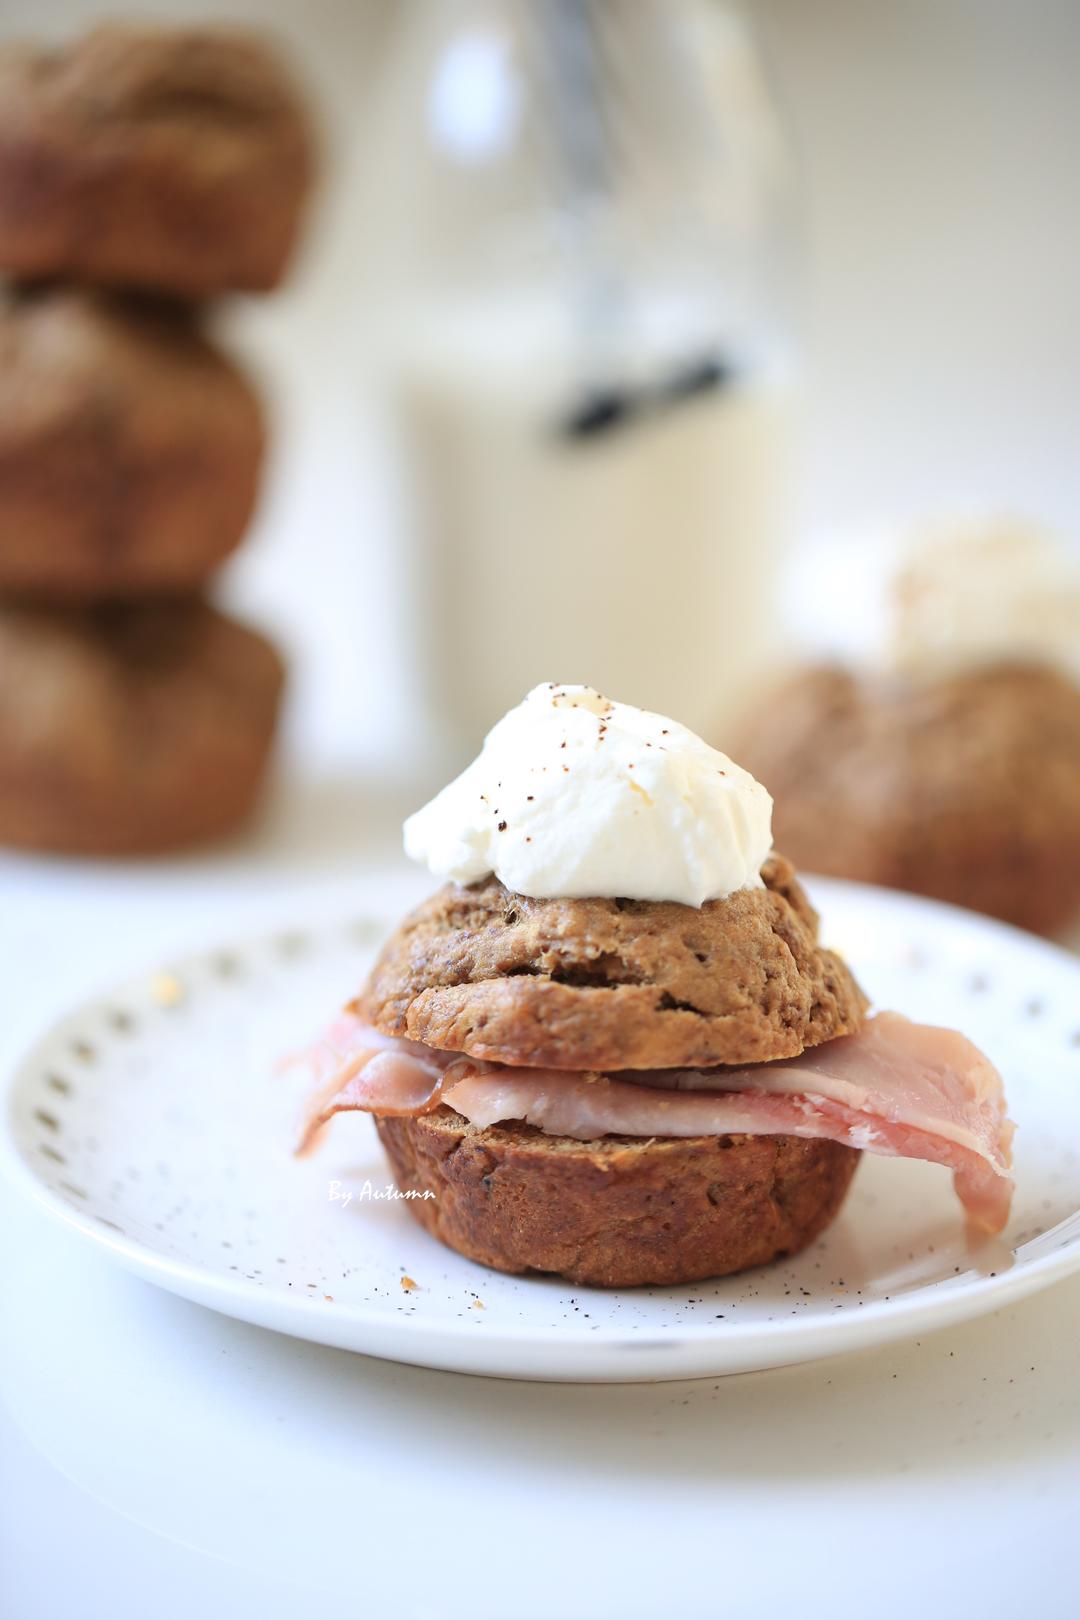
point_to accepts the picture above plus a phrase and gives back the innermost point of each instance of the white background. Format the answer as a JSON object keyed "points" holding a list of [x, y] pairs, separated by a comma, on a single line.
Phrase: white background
{"points": [[159, 1461]]}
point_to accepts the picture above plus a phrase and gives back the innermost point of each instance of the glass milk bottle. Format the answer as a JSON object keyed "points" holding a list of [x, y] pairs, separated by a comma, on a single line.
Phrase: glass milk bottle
{"points": [[580, 254]]}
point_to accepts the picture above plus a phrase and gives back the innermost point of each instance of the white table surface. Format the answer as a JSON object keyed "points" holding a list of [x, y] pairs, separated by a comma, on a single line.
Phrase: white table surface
{"points": [[159, 1460]]}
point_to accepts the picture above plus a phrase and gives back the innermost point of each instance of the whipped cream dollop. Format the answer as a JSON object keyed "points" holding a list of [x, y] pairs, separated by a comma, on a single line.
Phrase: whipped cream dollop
{"points": [[574, 796], [984, 591]]}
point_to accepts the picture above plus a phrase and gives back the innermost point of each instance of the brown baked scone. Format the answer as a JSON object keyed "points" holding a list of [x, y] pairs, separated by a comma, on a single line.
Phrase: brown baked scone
{"points": [[130, 728], [130, 448], [618, 1211], [623, 984], [614, 985], [965, 788], [170, 159]]}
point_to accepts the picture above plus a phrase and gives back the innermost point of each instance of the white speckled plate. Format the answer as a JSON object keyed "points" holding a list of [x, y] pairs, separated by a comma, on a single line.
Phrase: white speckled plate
{"points": [[157, 1123]]}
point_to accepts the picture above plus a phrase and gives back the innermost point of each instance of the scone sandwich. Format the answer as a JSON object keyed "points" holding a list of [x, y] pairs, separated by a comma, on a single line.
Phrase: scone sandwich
{"points": [[612, 1047]]}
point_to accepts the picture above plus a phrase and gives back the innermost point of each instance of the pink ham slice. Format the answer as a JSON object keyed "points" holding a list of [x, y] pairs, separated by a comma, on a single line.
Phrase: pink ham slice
{"points": [[375, 1072], [895, 1088]]}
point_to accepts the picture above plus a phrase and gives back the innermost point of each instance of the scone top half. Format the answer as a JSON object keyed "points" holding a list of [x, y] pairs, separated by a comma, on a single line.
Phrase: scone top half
{"points": [[608, 984]]}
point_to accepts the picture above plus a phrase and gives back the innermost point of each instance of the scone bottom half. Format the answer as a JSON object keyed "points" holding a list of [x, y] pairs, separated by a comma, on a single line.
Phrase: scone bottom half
{"points": [[620, 1212]]}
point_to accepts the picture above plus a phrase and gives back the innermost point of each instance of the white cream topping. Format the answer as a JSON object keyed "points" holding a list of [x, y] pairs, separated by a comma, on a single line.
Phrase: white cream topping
{"points": [[576, 796], [982, 592]]}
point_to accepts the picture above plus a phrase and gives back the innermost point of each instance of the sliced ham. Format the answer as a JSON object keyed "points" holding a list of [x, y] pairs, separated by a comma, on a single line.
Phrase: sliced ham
{"points": [[895, 1088], [375, 1072]]}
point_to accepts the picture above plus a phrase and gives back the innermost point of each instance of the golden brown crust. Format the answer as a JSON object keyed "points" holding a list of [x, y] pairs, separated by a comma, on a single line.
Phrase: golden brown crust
{"points": [[966, 789], [618, 1212], [614, 984], [130, 729], [130, 448], [177, 160]]}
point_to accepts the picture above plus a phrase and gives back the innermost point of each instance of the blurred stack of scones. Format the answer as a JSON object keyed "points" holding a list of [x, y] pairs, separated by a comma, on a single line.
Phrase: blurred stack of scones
{"points": [[141, 173]]}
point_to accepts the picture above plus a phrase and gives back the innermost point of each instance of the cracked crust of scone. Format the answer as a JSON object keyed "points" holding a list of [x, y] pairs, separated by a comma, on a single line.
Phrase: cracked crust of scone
{"points": [[614, 984]]}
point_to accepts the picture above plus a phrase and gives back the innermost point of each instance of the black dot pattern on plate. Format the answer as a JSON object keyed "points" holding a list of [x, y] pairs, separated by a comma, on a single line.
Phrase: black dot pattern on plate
{"points": [[165, 1117]]}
